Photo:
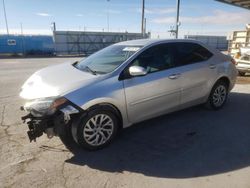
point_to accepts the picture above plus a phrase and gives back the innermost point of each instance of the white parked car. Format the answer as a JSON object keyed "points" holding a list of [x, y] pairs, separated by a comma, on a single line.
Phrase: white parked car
{"points": [[125, 83], [243, 61]]}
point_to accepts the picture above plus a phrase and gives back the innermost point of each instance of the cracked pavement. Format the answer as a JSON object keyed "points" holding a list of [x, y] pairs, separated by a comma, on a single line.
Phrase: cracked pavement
{"points": [[191, 148]]}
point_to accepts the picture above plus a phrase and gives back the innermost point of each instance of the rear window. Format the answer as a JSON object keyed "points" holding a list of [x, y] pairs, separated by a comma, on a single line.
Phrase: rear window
{"points": [[188, 53]]}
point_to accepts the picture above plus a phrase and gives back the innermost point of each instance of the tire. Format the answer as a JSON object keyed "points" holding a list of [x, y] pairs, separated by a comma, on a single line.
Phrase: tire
{"points": [[67, 138], [218, 96], [242, 73], [96, 129]]}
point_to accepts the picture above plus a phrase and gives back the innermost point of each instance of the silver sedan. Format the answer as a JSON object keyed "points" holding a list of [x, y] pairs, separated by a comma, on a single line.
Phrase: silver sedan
{"points": [[91, 100]]}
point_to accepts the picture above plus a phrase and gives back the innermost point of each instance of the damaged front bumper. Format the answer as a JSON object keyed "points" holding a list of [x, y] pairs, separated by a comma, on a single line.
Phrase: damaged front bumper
{"points": [[52, 125]]}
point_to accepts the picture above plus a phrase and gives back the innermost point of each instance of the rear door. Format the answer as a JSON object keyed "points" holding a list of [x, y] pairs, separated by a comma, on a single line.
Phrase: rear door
{"points": [[197, 70], [158, 91]]}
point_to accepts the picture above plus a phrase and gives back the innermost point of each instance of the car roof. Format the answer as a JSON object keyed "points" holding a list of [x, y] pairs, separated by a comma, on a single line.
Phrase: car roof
{"points": [[146, 42]]}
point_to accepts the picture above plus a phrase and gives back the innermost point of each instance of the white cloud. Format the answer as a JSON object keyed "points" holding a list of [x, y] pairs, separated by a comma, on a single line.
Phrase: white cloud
{"points": [[217, 17], [157, 10], [17, 31], [79, 15], [165, 20], [43, 14], [113, 11]]}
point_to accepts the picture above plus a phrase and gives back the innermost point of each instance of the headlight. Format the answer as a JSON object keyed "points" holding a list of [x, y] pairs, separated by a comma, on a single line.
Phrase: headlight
{"points": [[45, 106]]}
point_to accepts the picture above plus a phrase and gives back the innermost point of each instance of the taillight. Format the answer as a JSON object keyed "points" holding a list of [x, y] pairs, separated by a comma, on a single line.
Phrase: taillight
{"points": [[233, 61], [237, 55]]}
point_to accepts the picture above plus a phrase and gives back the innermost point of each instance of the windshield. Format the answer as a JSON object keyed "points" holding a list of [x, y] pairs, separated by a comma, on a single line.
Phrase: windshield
{"points": [[108, 59]]}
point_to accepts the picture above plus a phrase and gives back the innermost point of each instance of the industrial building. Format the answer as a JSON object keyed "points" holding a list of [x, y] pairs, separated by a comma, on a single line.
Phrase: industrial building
{"points": [[26, 45], [218, 42], [63, 42], [85, 43]]}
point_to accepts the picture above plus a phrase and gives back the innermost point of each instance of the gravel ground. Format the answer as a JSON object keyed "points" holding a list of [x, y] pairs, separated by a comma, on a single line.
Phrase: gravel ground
{"points": [[191, 148]]}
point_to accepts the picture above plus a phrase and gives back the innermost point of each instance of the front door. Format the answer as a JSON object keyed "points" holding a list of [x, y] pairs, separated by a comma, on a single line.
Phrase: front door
{"points": [[158, 91]]}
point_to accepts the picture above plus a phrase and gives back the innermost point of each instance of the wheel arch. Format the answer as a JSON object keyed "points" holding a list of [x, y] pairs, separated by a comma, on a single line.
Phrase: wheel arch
{"points": [[222, 78], [103, 105], [109, 107], [225, 80], [208, 103]]}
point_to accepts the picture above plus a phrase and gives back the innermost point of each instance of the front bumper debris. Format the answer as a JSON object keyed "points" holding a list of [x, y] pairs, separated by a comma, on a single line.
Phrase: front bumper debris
{"points": [[37, 125], [52, 125]]}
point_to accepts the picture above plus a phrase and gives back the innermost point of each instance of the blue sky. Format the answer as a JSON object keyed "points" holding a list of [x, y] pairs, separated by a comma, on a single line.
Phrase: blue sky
{"points": [[196, 16]]}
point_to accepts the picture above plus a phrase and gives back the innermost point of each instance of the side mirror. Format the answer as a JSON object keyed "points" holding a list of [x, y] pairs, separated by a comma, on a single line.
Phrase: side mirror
{"points": [[137, 71]]}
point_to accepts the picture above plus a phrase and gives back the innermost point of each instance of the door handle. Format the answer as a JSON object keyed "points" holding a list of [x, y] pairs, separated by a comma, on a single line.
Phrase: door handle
{"points": [[174, 76], [212, 66]]}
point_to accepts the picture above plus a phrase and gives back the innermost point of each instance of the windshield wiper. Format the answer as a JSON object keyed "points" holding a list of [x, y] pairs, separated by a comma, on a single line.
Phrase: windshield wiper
{"points": [[90, 70], [85, 67], [75, 64]]}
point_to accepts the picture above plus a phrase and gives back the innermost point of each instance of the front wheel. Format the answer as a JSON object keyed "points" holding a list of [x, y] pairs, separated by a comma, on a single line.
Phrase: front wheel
{"points": [[96, 129], [218, 96]]}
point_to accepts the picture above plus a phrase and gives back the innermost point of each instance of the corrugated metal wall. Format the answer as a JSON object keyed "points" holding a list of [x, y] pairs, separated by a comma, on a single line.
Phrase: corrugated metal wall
{"points": [[85, 43], [218, 42], [27, 45]]}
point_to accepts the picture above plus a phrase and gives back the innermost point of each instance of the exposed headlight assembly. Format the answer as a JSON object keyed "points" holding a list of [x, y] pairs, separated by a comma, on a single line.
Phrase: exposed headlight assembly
{"points": [[44, 106]]}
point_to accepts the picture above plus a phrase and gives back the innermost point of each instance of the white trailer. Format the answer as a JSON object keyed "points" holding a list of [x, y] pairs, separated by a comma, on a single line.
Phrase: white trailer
{"points": [[239, 48], [239, 39]]}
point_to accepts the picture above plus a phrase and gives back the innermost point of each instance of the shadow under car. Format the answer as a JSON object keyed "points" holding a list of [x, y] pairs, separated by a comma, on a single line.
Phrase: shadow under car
{"points": [[190, 143]]}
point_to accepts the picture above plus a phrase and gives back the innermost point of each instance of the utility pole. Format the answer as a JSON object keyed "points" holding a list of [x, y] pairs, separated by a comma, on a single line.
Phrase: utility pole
{"points": [[142, 18], [108, 14], [145, 26], [23, 48], [177, 19], [5, 16], [21, 24], [53, 26]]}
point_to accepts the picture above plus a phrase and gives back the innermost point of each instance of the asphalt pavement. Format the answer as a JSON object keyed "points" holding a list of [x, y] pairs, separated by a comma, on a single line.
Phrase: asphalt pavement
{"points": [[192, 148]]}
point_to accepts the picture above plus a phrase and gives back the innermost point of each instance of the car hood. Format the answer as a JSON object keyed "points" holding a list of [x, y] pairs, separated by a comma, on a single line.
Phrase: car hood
{"points": [[55, 81]]}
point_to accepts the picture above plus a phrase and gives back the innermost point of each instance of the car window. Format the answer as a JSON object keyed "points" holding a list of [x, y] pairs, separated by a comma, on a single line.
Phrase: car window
{"points": [[188, 53], [156, 58], [107, 59]]}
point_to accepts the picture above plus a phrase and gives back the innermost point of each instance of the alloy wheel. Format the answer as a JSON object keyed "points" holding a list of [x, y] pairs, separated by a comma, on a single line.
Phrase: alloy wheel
{"points": [[98, 129], [219, 96]]}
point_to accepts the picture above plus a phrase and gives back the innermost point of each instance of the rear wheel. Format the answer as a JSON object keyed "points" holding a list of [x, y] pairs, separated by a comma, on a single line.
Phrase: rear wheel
{"points": [[96, 129], [218, 96]]}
